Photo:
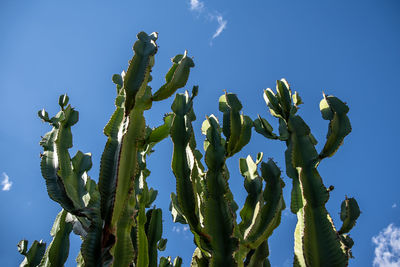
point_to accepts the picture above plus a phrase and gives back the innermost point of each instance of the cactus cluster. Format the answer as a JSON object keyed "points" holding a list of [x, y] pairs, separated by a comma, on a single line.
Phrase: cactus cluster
{"points": [[115, 218]]}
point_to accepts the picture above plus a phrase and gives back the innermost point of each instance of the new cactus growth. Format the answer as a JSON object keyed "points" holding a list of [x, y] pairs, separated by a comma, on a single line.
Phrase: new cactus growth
{"points": [[115, 217], [317, 242]]}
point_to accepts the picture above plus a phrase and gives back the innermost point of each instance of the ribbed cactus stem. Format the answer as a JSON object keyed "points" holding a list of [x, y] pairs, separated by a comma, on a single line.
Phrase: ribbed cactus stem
{"points": [[317, 243]]}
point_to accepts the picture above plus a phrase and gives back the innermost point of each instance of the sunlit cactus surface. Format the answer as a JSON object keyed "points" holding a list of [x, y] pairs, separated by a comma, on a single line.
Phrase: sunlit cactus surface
{"points": [[115, 218]]}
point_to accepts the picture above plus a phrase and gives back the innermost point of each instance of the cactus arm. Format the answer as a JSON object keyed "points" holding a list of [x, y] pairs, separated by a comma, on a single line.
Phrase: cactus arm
{"points": [[123, 250], [176, 211], [154, 232], [198, 259], [335, 111], [57, 252], [162, 131], [245, 132], [34, 255], [176, 77], [166, 262], [268, 215], [262, 126], [178, 262], [219, 220], [143, 253], [185, 168], [284, 96], [49, 166], [273, 103], [181, 166], [253, 186], [107, 176], [138, 71], [321, 246], [230, 105], [236, 127], [259, 257], [73, 184], [349, 214], [133, 133], [64, 182]]}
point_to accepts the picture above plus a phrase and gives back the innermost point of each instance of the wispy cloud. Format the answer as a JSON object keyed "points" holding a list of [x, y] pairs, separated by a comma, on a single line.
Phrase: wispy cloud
{"points": [[6, 183], [394, 205], [387, 250], [178, 229], [182, 230], [196, 5], [221, 26]]}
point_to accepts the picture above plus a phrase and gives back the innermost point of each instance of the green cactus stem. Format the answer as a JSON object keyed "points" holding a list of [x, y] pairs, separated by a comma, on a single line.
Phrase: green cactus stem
{"points": [[317, 243]]}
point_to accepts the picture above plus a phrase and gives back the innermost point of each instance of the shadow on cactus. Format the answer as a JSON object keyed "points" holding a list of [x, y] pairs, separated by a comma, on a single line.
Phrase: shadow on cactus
{"points": [[115, 218]]}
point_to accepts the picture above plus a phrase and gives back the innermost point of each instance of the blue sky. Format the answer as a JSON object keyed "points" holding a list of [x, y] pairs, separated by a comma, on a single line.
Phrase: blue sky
{"points": [[346, 48]]}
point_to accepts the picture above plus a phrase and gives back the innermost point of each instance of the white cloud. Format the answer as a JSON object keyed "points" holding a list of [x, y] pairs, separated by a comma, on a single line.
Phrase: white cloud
{"points": [[387, 250], [178, 229], [221, 26], [196, 5], [6, 183], [394, 205]]}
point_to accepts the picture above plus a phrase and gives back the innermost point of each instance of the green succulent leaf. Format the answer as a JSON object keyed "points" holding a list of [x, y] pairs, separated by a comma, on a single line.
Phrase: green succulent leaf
{"points": [[273, 103], [262, 126], [268, 210], [334, 110], [176, 77], [139, 68], [349, 214], [63, 100], [183, 159], [34, 255], [153, 232], [162, 244], [284, 94], [57, 252], [162, 131]]}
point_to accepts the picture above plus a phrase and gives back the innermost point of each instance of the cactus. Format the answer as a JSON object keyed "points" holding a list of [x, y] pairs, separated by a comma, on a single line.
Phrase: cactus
{"points": [[204, 200], [114, 218], [317, 242]]}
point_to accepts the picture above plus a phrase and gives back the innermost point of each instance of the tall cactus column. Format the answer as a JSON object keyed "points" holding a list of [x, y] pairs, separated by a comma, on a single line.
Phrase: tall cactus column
{"points": [[317, 242]]}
